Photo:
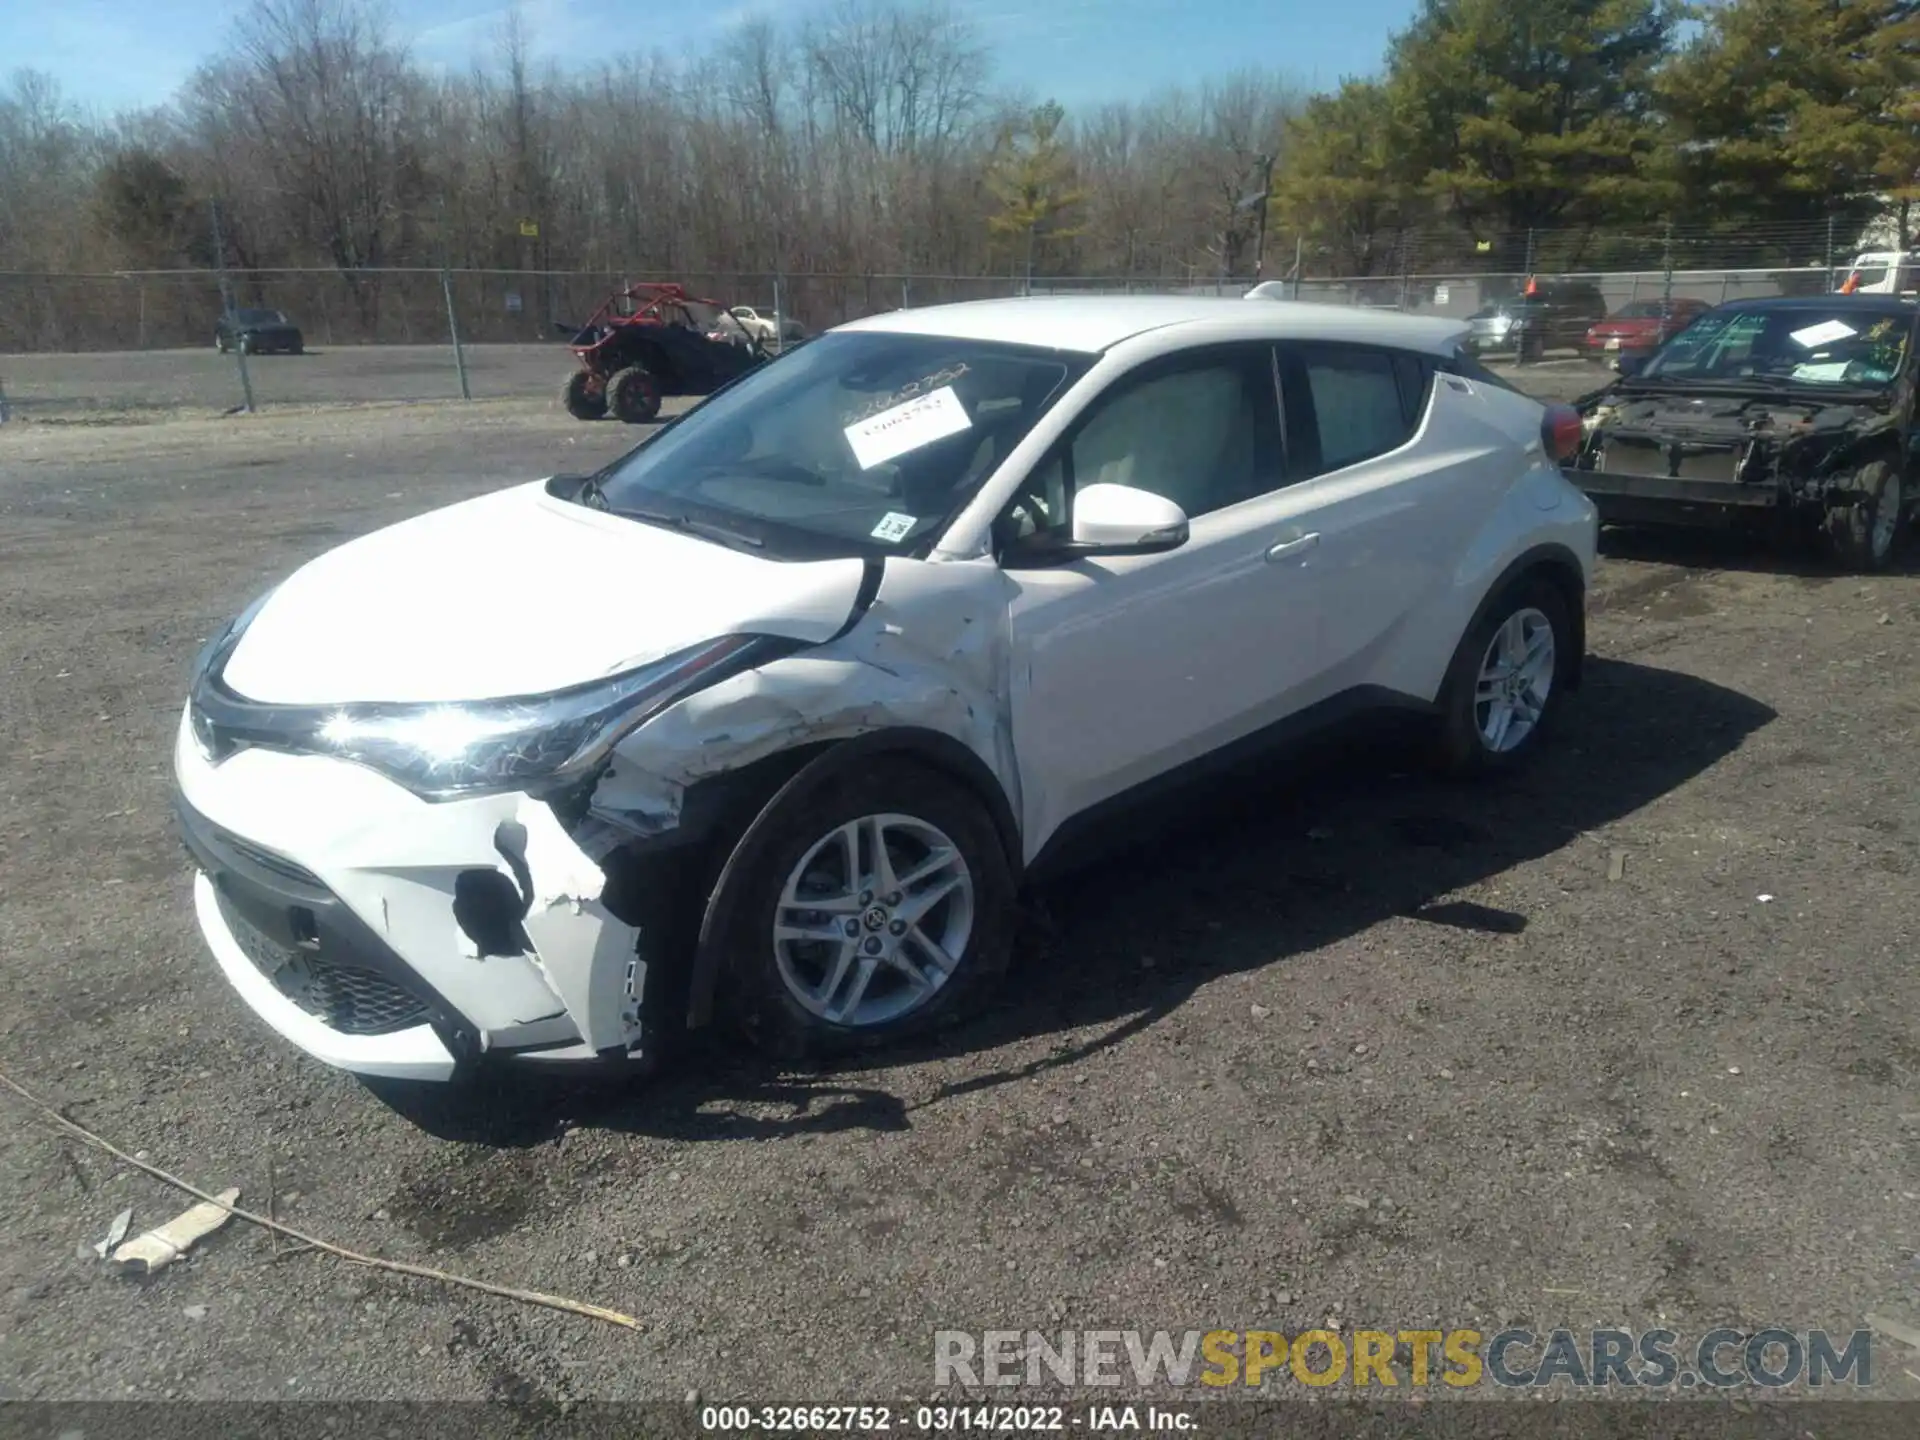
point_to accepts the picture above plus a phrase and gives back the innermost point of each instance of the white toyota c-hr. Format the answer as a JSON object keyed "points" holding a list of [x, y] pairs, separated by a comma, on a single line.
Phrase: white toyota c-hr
{"points": [[766, 721]]}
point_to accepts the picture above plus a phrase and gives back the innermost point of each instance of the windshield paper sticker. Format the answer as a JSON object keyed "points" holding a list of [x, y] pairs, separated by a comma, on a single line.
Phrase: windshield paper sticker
{"points": [[893, 527], [1829, 370], [1825, 333], [920, 421]]}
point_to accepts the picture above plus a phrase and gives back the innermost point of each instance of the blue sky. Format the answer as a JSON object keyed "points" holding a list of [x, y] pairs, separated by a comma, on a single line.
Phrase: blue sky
{"points": [[113, 53]]}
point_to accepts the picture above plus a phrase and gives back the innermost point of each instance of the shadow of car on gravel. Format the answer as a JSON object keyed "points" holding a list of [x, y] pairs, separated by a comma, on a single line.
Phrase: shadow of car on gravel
{"points": [[1259, 867], [1701, 548]]}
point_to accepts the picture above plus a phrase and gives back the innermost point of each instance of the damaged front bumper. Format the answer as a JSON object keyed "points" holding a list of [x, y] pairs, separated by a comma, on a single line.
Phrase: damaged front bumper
{"points": [[1625, 499], [394, 936]]}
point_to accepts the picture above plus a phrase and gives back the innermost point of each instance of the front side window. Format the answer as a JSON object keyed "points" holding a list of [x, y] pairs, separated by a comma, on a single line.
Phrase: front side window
{"points": [[1201, 430], [853, 444]]}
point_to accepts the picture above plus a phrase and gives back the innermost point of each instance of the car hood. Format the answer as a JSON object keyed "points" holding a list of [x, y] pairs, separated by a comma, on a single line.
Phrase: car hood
{"points": [[517, 593]]}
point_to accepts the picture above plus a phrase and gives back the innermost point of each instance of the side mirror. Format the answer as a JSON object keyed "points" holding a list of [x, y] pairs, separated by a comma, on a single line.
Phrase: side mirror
{"points": [[1118, 519], [1632, 362]]}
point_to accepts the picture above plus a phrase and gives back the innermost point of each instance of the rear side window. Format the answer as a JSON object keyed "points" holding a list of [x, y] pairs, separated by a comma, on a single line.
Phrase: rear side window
{"points": [[1360, 403]]}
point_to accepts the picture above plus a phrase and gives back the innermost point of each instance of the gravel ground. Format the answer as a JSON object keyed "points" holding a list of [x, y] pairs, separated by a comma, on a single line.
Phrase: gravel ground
{"points": [[107, 383], [1625, 1040]]}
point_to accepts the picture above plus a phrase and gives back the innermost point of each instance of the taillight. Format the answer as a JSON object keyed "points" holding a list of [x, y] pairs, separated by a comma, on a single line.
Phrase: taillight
{"points": [[1561, 430]]}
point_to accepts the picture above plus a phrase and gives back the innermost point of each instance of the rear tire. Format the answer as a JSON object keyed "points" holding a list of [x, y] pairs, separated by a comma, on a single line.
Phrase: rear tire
{"points": [[794, 995], [1866, 534], [579, 401], [633, 396], [1504, 684]]}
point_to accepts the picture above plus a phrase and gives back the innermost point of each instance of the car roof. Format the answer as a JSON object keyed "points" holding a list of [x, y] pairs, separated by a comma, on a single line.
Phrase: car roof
{"points": [[1092, 323]]}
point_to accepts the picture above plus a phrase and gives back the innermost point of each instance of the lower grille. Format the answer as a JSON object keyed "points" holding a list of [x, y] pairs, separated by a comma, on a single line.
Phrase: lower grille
{"points": [[346, 998]]}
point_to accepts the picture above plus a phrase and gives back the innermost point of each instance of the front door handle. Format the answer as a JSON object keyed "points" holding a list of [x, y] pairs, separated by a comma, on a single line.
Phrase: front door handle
{"points": [[1300, 546]]}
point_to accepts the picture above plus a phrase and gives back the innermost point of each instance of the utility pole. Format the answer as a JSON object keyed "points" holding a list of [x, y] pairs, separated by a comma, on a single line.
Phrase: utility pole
{"points": [[226, 303], [1666, 260], [1260, 234], [453, 331], [453, 319]]}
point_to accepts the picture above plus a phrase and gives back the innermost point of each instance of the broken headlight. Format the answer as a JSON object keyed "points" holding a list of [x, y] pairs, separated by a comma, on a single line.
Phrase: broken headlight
{"points": [[443, 750]]}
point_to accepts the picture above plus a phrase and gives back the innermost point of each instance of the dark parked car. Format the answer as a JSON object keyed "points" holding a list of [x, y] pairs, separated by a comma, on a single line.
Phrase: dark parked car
{"points": [[1549, 315], [257, 332], [1794, 412], [1642, 325]]}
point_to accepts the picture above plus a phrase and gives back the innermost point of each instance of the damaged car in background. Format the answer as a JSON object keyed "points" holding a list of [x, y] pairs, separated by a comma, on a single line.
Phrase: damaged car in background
{"points": [[1792, 415], [766, 723]]}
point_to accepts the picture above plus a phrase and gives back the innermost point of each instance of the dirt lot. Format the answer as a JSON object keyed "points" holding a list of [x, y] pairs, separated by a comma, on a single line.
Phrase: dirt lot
{"points": [[1362, 1046], [110, 382]]}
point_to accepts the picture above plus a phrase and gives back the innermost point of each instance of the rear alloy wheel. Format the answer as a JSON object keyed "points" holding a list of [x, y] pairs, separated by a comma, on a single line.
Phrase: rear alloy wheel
{"points": [[579, 398], [878, 908], [1866, 533], [633, 396], [1503, 683]]}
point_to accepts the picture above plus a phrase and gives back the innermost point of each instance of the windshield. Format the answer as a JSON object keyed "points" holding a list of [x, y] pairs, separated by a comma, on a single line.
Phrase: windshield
{"points": [[1851, 345], [261, 317], [854, 444]]}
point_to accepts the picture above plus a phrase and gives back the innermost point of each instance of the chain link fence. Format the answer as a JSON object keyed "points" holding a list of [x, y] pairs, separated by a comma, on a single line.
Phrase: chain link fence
{"points": [[94, 346]]}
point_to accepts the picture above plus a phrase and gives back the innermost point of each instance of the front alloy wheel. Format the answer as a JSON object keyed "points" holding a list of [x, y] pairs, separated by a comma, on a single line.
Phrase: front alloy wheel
{"points": [[863, 907], [874, 920]]}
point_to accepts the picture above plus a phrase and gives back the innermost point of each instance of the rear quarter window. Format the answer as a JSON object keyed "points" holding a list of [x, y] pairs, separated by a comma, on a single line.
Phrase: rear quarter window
{"points": [[1360, 407]]}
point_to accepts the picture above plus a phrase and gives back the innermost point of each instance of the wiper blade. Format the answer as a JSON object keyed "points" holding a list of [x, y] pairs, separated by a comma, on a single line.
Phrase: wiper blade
{"points": [[707, 528]]}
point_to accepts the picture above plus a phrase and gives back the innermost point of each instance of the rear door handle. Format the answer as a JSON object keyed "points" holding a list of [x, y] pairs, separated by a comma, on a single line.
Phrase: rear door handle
{"points": [[1300, 546]]}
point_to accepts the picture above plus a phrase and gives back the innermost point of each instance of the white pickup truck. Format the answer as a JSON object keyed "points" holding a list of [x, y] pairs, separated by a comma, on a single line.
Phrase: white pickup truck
{"points": [[1882, 272]]}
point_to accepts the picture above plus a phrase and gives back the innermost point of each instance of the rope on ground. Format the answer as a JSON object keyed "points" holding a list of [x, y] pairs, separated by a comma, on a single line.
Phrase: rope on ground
{"points": [[354, 1257]]}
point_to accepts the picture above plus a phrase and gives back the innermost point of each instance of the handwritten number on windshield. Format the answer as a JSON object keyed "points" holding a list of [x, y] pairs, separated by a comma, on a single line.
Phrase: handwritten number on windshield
{"points": [[911, 390]]}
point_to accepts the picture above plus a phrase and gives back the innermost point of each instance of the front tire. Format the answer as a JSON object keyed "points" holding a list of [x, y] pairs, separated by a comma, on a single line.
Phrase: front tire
{"points": [[1865, 534], [633, 396], [873, 908], [220, 344], [580, 400], [1505, 681]]}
